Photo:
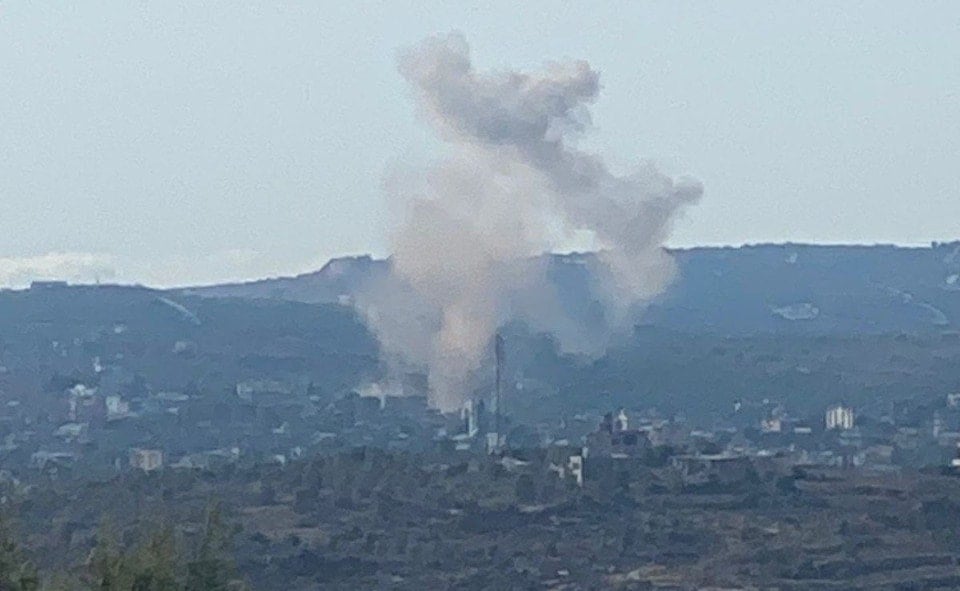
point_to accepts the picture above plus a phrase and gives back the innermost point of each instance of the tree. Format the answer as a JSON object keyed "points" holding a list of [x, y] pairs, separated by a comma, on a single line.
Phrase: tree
{"points": [[16, 573], [212, 568], [155, 564], [107, 562], [61, 582], [526, 489], [152, 566]]}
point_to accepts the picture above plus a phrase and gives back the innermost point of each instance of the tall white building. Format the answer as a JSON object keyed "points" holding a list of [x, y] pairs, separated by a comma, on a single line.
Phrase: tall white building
{"points": [[468, 414], [575, 465], [622, 422], [839, 417]]}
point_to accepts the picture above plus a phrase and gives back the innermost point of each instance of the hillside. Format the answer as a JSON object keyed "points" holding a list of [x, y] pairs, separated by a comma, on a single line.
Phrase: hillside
{"points": [[809, 324], [739, 291]]}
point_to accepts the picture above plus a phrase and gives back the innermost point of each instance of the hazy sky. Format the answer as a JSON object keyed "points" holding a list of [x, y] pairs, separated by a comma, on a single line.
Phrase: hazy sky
{"points": [[181, 142]]}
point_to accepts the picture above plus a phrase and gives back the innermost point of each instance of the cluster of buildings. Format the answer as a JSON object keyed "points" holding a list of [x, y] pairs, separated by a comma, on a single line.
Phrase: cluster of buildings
{"points": [[117, 421], [776, 442]]}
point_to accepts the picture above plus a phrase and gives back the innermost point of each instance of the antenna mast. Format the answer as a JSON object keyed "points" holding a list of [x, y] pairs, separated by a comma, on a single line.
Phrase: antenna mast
{"points": [[499, 354]]}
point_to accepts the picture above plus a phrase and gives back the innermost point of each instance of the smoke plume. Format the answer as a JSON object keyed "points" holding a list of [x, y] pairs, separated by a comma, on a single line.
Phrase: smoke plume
{"points": [[511, 187]]}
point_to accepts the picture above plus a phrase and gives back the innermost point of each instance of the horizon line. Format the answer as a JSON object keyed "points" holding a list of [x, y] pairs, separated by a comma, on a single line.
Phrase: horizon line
{"points": [[374, 257]]}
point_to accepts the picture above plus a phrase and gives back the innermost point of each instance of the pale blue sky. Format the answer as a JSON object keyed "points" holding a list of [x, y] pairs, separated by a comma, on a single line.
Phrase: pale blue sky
{"points": [[180, 142]]}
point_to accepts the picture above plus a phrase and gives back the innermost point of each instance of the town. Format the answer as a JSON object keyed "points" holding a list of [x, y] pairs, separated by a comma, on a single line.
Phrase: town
{"points": [[100, 417], [282, 412]]}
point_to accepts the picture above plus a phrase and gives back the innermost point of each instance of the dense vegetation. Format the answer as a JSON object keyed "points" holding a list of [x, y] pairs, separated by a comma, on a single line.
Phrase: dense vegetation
{"points": [[370, 519], [147, 559]]}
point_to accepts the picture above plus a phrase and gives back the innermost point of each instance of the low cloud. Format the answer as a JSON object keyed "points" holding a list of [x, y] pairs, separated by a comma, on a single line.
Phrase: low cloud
{"points": [[75, 267], [168, 271]]}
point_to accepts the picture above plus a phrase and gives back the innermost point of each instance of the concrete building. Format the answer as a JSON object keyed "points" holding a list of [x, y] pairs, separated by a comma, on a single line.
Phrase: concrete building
{"points": [[262, 389], [771, 425], [567, 462], [117, 407], [470, 414], [70, 431], [614, 437], [705, 468], [208, 460], [146, 459], [955, 461], [575, 469], [494, 442], [839, 417]]}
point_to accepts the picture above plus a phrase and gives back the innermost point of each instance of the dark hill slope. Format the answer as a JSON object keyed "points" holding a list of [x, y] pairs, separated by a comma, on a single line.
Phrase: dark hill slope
{"points": [[803, 289]]}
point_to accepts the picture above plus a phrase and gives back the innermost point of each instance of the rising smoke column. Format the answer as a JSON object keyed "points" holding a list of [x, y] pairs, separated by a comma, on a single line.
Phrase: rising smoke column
{"points": [[510, 188]]}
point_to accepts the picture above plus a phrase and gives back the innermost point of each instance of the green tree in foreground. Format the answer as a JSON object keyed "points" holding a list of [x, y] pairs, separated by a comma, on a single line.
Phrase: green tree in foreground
{"points": [[16, 573], [156, 563], [213, 569], [153, 566], [108, 564]]}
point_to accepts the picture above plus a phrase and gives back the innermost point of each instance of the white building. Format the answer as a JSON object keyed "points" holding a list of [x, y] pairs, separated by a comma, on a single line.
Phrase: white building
{"points": [[494, 443], [955, 462], [70, 431], [622, 422], [839, 417], [575, 466], [117, 407], [771, 425], [81, 391], [146, 459], [468, 414], [249, 389]]}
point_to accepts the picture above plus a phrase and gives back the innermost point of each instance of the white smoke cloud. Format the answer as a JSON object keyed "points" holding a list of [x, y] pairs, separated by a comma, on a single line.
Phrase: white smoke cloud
{"points": [[510, 188], [76, 267]]}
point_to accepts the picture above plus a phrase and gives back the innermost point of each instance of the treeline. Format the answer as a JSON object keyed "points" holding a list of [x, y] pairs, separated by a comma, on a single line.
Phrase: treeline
{"points": [[159, 561]]}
